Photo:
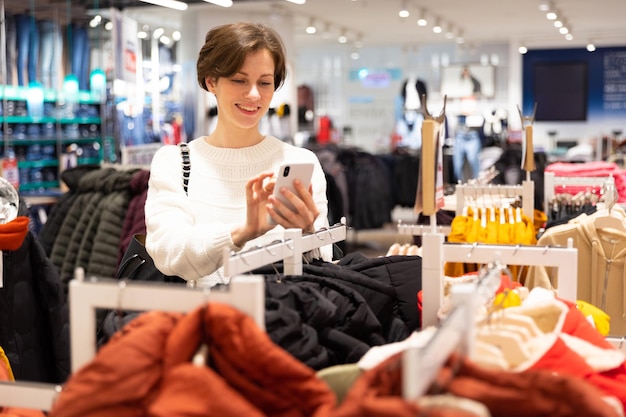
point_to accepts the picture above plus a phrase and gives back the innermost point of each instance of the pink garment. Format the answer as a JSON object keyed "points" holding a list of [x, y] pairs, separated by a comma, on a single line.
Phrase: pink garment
{"points": [[589, 169]]}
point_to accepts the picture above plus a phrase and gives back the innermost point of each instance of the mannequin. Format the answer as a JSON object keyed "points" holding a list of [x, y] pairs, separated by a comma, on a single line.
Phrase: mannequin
{"points": [[408, 114]]}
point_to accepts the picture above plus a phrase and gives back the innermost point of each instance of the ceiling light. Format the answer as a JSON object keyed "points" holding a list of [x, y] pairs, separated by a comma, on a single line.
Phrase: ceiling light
{"points": [[437, 27], [522, 50], [558, 23], [563, 30], [293, 1], [358, 43], [142, 35], [342, 38], [421, 21], [404, 11], [97, 19], [157, 33], [569, 36], [551, 15], [544, 5], [176, 36], [450, 32], [223, 3], [172, 4], [591, 47], [165, 40], [460, 39], [311, 29]]}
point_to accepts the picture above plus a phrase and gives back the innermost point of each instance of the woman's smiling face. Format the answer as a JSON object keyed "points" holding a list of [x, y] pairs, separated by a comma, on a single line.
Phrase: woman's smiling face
{"points": [[244, 98]]}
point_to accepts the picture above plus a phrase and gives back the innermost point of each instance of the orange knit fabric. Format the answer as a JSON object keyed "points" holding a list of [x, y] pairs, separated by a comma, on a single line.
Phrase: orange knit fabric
{"points": [[12, 234]]}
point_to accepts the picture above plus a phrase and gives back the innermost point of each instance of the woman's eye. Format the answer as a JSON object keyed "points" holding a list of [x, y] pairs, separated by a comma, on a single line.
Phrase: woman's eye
{"points": [[238, 81]]}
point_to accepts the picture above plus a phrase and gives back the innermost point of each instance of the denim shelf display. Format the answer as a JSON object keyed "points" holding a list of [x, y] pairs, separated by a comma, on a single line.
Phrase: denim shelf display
{"points": [[63, 133]]}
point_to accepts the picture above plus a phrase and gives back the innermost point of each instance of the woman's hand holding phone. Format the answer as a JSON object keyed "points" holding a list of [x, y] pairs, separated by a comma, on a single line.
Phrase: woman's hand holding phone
{"points": [[291, 204]]}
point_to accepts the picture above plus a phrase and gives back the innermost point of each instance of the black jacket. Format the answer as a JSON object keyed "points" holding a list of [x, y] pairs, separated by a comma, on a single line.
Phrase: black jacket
{"points": [[34, 325], [320, 321]]}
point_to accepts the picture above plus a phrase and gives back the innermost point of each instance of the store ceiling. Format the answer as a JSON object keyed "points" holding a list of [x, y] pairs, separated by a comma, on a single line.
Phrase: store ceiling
{"points": [[376, 22]]}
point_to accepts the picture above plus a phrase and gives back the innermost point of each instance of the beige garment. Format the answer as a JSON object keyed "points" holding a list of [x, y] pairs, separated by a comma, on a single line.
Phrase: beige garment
{"points": [[601, 267]]}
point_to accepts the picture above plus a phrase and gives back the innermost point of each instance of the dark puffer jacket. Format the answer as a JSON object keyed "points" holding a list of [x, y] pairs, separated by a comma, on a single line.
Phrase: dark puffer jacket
{"points": [[34, 325], [88, 189], [90, 234], [50, 229], [135, 220]]}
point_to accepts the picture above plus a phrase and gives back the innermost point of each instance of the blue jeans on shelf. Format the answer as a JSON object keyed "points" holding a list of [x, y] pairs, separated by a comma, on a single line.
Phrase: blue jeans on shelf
{"points": [[79, 54], [51, 45], [11, 37], [27, 43], [466, 145]]}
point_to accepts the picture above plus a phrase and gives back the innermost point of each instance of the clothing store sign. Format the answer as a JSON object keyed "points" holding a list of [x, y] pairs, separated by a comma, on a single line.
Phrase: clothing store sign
{"points": [[126, 47], [375, 78], [614, 65]]}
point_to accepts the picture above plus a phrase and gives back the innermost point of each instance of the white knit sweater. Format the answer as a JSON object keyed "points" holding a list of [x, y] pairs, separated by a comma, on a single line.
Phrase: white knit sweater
{"points": [[186, 235]]}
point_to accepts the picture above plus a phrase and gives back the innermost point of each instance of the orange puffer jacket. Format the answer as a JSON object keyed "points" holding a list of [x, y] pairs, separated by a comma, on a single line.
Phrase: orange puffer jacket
{"points": [[146, 370]]}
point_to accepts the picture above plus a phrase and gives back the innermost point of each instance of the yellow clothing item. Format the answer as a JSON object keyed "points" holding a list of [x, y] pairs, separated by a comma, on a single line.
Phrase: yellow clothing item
{"points": [[601, 320], [492, 229], [539, 221], [504, 233], [458, 234], [5, 360]]}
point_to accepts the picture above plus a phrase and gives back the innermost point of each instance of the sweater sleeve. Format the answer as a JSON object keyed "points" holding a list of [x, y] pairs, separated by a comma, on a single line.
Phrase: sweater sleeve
{"points": [[178, 245], [321, 200]]}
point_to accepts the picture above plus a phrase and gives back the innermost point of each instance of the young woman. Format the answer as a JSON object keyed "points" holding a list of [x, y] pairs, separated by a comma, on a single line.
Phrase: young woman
{"points": [[229, 199]]}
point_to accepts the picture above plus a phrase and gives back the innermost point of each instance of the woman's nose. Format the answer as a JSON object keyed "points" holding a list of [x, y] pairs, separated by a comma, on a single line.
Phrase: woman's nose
{"points": [[253, 91]]}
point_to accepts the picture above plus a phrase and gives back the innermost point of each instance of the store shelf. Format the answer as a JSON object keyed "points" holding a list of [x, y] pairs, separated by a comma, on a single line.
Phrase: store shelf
{"points": [[38, 164], [41, 143]]}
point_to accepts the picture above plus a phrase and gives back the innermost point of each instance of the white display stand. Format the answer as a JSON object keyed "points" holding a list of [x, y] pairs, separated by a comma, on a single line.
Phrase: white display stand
{"points": [[244, 292], [526, 191]]}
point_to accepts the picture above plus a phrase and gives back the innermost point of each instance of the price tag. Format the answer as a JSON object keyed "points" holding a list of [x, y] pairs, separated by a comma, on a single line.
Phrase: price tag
{"points": [[10, 171]]}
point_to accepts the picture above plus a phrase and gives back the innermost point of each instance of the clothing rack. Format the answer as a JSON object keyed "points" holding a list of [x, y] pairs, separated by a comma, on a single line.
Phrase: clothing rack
{"points": [[32, 395], [551, 182], [421, 364], [420, 229], [246, 293], [456, 333], [526, 190], [289, 250], [435, 253]]}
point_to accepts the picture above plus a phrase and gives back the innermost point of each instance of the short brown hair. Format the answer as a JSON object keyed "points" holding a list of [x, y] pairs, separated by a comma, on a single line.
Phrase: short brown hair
{"points": [[227, 46]]}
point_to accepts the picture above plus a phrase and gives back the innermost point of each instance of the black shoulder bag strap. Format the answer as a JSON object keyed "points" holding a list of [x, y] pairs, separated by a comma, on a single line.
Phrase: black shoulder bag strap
{"points": [[184, 152]]}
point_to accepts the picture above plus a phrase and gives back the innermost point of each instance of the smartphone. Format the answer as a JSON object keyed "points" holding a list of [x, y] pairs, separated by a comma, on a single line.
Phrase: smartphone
{"points": [[285, 176]]}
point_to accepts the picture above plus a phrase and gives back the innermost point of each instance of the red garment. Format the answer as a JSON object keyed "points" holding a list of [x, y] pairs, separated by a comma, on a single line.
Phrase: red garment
{"points": [[560, 358], [589, 169], [324, 130], [534, 393], [145, 370], [12, 234]]}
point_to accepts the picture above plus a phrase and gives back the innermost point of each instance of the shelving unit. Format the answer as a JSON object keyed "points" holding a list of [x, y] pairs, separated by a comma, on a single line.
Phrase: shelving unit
{"points": [[66, 133]]}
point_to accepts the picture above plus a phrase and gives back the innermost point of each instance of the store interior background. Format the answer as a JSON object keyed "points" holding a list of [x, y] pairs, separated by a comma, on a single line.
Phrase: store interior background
{"points": [[365, 109], [357, 84]]}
